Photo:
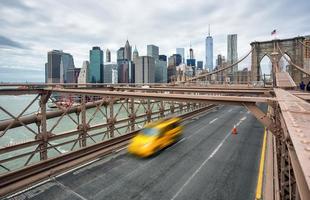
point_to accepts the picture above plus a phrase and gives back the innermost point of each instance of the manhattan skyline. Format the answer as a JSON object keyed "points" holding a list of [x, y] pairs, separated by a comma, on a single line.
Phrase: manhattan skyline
{"points": [[32, 28]]}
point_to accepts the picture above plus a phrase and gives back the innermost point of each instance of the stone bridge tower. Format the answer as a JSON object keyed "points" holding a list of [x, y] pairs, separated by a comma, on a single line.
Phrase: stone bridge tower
{"points": [[292, 47]]}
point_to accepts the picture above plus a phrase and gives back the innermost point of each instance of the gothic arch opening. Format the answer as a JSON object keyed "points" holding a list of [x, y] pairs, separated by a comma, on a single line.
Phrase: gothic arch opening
{"points": [[284, 65], [265, 68]]}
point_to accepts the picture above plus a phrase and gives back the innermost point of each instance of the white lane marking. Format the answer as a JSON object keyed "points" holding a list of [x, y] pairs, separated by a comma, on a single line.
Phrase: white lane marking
{"points": [[213, 121], [211, 155], [174, 145], [69, 190], [48, 180], [121, 149], [243, 118], [229, 110], [180, 140], [78, 167], [29, 188], [240, 121], [199, 168]]}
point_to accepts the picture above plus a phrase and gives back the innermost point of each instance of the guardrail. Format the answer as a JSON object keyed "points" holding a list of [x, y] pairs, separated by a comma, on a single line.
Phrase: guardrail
{"points": [[32, 174]]}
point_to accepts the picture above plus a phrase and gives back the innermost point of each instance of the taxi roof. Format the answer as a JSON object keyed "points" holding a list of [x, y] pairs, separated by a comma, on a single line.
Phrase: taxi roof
{"points": [[163, 122]]}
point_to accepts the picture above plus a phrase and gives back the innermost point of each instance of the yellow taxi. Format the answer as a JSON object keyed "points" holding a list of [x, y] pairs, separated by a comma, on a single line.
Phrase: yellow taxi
{"points": [[155, 136]]}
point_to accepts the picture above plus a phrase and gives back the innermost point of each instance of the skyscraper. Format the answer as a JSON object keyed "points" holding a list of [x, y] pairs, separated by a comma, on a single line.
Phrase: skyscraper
{"points": [[126, 72], [120, 54], [145, 70], [160, 65], [163, 57], [191, 53], [181, 51], [219, 61], [161, 71], [108, 55], [108, 72], [177, 59], [209, 51], [163, 61], [232, 52], [83, 76], [72, 75], [153, 51], [135, 55], [127, 51], [66, 65], [173, 61], [53, 66], [96, 70], [58, 63], [191, 61], [199, 64]]}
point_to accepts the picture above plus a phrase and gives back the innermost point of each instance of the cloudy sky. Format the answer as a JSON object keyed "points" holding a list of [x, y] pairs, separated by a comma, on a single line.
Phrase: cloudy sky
{"points": [[30, 28]]}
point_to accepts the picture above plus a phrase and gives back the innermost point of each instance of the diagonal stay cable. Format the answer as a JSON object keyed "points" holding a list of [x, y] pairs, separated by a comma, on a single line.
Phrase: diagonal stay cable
{"points": [[219, 70], [307, 46], [293, 64]]}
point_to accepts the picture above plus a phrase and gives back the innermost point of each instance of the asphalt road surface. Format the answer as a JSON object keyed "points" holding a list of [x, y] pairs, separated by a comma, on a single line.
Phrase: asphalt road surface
{"points": [[208, 163]]}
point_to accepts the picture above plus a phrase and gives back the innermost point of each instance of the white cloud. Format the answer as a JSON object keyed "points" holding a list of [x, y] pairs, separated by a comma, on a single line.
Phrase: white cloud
{"points": [[76, 26]]}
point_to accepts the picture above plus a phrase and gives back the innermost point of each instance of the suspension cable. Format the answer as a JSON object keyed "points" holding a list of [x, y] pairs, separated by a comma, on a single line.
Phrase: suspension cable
{"points": [[219, 70], [291, 63], [307, 46]]}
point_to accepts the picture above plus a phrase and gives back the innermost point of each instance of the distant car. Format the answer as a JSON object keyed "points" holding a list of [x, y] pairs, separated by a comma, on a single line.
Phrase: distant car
{"points": [[155, 136]]}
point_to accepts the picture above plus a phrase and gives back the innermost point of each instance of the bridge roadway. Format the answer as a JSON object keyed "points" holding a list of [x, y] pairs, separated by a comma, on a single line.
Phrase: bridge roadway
{"points": [[208, 163]]}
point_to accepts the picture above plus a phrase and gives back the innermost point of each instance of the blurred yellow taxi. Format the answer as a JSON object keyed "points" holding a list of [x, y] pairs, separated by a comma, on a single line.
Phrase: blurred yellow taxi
{"points": [[155, 136]]}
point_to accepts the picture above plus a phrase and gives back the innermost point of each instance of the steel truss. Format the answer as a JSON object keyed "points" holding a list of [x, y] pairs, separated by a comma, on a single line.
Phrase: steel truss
{"points": [[122, 110], [117, 116]]}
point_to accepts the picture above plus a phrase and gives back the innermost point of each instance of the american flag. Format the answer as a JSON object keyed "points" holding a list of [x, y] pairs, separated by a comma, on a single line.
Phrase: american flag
{"points": [[274, 32]]}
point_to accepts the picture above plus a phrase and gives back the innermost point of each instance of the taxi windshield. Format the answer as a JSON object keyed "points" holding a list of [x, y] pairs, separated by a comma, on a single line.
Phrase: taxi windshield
{"points": [[150, 131]]}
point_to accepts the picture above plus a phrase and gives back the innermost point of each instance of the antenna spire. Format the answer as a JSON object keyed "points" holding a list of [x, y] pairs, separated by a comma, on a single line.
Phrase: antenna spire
{"points": [[209, 30]]}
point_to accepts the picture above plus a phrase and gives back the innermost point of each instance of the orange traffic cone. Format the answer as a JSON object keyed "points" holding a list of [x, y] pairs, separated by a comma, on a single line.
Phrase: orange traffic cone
{"points": [[234, 130]]}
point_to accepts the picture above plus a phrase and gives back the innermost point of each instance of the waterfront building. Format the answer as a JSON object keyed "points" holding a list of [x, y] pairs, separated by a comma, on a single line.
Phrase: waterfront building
{"points": [[145, 70], [96, 71], [120, 54], [181, 51], [184, 72], [126, 72], [108, 56], [219, 60], [135, 55], [173, 61], [114, 76], [191, 61], [153, 51], [73, 74], [66, 68], [200, 65], [83, 75], [160, 65], [58, 62], [127, 51], [163, 57], [232, 52], [108, 72]]}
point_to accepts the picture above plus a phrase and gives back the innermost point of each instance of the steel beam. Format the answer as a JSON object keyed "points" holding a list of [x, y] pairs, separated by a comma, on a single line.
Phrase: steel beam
{"points": [[260, 116], [230, 100]]}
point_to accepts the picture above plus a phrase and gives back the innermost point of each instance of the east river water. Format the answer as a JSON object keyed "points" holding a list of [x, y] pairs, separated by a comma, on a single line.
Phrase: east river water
{"points": [[16, 104]]}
